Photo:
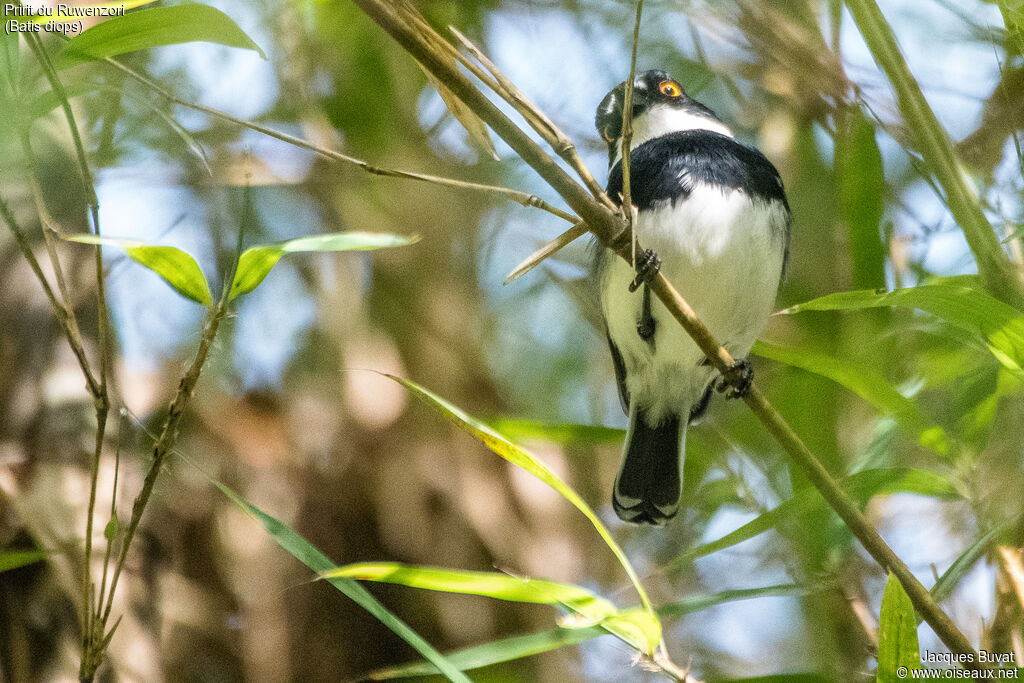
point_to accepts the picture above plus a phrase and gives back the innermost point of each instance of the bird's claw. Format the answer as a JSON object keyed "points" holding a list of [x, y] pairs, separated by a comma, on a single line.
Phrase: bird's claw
{"points": [[737, 379], [647, 266]]}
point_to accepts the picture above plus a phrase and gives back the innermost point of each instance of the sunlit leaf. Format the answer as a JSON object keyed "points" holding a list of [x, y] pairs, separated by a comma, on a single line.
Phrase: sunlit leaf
{"points": [[152, 28], [306, 553], [635, 627], [561, 433], [638, 627], [863, 486], [177, 268], [489, 584], [527, 461], [504, 650], [999, 326], [517, 647], [864, 382], [255, 263], [897, 635], [13, 559]]}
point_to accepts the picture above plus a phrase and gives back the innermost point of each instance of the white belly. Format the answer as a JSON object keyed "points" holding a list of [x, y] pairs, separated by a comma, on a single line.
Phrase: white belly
{"points": [[723, 252]]}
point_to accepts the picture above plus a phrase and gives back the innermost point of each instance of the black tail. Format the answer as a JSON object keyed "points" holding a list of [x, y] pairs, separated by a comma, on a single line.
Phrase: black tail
{"points": [[648, 486]]}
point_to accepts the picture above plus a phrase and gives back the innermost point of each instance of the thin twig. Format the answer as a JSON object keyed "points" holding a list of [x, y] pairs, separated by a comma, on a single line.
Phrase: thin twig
{"points": [[113, 516], [71, 334], [49, 229], [538, 120], [523, 198], [164, 444], [101, 400], [627, 132], [534, 259], [608, 227]]}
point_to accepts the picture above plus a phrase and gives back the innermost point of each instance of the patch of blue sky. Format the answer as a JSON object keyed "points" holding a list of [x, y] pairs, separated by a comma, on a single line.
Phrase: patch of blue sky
{"points": [[269, 325], [151, 319]]}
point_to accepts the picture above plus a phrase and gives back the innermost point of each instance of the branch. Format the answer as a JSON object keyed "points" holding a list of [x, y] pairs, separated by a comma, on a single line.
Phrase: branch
{"points": [[165, 443], [393, 17]]}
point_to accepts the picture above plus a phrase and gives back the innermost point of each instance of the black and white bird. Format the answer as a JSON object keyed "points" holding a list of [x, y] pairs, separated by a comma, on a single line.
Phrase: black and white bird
{"points": [[714, 212]]}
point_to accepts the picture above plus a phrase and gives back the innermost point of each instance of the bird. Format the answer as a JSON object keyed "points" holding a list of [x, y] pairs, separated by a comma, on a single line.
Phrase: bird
{"points": [[711, 214]]}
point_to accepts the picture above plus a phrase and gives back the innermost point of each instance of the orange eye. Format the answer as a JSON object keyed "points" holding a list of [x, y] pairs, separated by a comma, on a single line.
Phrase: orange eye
{"points": [[607, 134], [670, 88]]}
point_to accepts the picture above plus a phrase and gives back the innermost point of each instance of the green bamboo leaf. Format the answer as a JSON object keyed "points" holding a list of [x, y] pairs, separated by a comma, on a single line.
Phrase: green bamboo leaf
{"points": [[950, 578], [527, 461], [489, 584], [13, 559], [177, 268], [154, 27], [998, 326], [863, 486], [864, 382], [1013, 18], [255, 263], [858, 166], [635, 627], [497, 652], [110, 530], [518, 647], [897, 635], [79, 11], [562, 433], [310, 556]]}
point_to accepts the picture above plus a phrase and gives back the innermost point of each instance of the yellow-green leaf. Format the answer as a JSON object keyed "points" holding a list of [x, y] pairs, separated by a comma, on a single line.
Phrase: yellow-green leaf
{"points": [[998, 326], [13, 559], [490, 584], [154, 27], [309, 555], [529, 462], [864, 382], [255, 263], [177, 268]]}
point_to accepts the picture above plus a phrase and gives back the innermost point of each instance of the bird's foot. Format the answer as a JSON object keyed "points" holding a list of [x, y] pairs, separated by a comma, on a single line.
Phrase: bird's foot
{"points": [[647, 266], [737, 379]]}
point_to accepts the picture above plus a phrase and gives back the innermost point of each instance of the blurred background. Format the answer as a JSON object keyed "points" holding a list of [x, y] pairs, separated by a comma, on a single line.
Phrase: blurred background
{"points": [[290, 413]]}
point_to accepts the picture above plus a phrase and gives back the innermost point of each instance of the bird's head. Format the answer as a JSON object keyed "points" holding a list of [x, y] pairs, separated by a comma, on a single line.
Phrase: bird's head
{"points": [[660, 107]]}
